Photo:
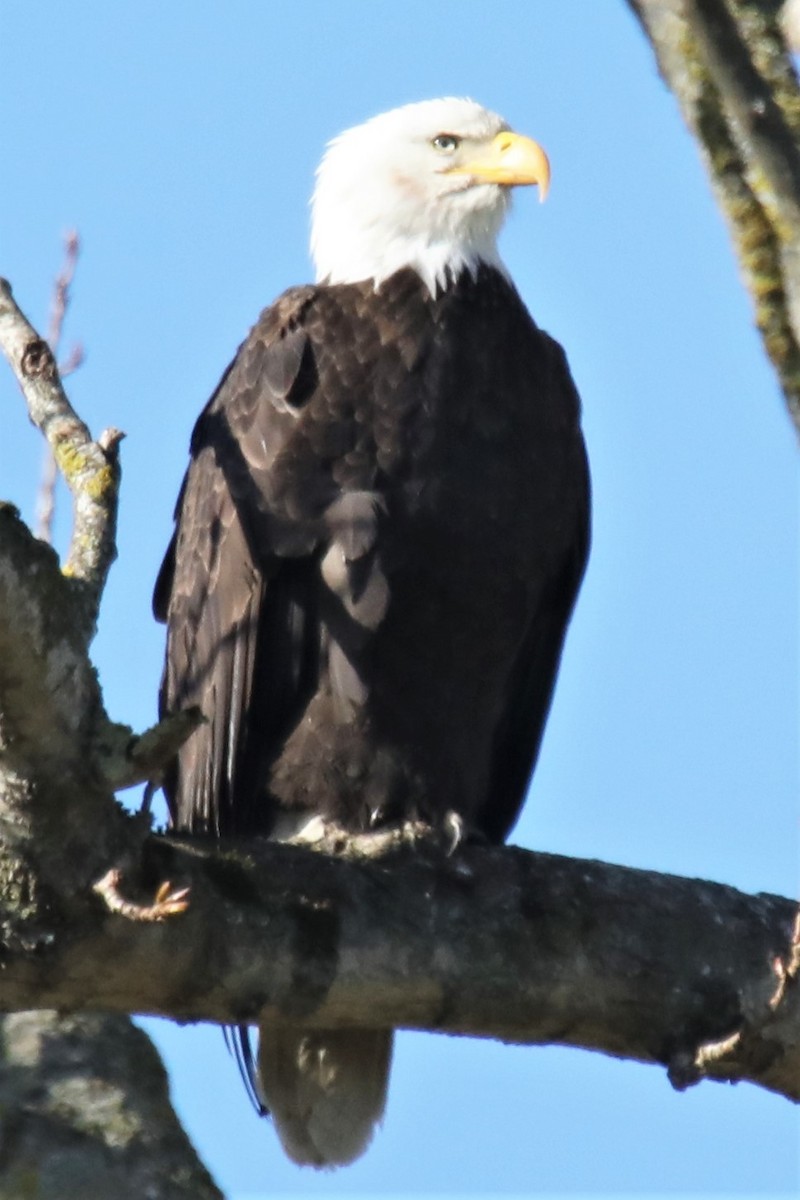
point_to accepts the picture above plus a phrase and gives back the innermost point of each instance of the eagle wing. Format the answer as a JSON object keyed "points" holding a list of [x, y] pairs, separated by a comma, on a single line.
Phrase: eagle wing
{"points": [[236, 589], [531, 683], [239, 589]]}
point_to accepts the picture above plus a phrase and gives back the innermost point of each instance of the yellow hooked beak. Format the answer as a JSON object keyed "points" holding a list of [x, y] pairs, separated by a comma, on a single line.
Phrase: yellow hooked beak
{"points": [[510, 160]]}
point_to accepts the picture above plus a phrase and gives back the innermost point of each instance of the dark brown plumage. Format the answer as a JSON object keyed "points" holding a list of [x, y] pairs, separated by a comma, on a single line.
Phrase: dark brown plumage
{"points": [[378, 545], [379, 541]]}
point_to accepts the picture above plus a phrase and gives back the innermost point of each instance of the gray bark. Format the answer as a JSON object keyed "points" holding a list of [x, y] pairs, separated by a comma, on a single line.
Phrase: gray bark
{"points": [[728, 64], [86, 1113], [500, 942]]}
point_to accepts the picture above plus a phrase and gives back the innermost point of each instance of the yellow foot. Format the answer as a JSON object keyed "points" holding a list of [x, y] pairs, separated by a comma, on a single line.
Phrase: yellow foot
{"points": [[167, 903]]}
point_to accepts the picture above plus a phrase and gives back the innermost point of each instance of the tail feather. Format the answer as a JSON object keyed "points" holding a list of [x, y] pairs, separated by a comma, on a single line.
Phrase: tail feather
{"points": [[325, 1088]]}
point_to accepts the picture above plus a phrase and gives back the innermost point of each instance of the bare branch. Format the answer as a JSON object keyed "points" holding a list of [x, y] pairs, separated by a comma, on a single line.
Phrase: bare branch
{"points": [[74, 359], [128, 759], [46, 502], [489, 942], [60, 303], [733, 77], [91, 472], [46, 499]]}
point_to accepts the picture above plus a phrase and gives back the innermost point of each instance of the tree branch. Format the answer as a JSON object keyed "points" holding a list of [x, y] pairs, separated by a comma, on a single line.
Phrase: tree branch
{"points": [[748, 98], [86, 1113], [733, 77], [490, 942], [46, 502], [91, 469]]}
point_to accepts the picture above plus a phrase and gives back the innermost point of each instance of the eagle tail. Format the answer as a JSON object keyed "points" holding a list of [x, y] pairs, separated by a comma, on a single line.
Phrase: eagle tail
{"points": [[325, 1088]]}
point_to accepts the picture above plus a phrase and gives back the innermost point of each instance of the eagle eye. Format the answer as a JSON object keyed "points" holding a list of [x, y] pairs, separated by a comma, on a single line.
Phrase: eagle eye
{"points": [[446, 142]]}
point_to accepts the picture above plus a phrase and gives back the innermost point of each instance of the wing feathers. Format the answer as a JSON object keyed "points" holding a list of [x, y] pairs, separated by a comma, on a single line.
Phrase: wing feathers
{"points": [[232, 601]]}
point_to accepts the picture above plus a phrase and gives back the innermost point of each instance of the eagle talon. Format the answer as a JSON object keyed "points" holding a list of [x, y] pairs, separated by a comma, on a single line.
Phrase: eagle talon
{"points": [[454, 831], [314, 831], [167, 903]]}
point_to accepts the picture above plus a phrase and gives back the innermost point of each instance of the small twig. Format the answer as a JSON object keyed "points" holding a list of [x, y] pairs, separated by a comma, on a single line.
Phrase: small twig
{"points": [[167, 903], [74, 359], [61, 288], [128, 760], [46, 502]]}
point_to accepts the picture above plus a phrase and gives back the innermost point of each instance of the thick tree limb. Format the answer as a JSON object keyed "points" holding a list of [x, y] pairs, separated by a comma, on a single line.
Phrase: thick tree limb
{"points": [[86, 1113], [490, 942], [730, 70], [750, 99], [61, 757]]}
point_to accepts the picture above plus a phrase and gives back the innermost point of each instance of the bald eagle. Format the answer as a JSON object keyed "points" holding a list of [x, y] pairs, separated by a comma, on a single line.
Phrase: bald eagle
{"points": [[378, 545]]}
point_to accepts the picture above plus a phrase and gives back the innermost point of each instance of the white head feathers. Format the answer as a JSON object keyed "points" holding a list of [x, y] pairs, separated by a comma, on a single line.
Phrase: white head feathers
{"points": [[424, 186]]}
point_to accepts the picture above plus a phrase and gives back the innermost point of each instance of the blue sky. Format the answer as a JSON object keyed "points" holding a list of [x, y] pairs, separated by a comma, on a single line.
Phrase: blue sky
{"points": [[181, 141]]}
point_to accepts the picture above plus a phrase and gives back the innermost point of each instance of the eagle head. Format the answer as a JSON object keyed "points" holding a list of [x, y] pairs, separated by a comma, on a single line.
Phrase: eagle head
{"points": [[425, 186]]}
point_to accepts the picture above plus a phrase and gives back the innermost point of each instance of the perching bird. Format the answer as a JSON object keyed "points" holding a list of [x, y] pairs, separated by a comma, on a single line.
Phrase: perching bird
{"points": [[378, 545]]}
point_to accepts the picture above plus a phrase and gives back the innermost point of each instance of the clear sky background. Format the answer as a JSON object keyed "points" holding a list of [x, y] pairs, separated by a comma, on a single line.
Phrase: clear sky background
{"points": [[181, 141]]}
